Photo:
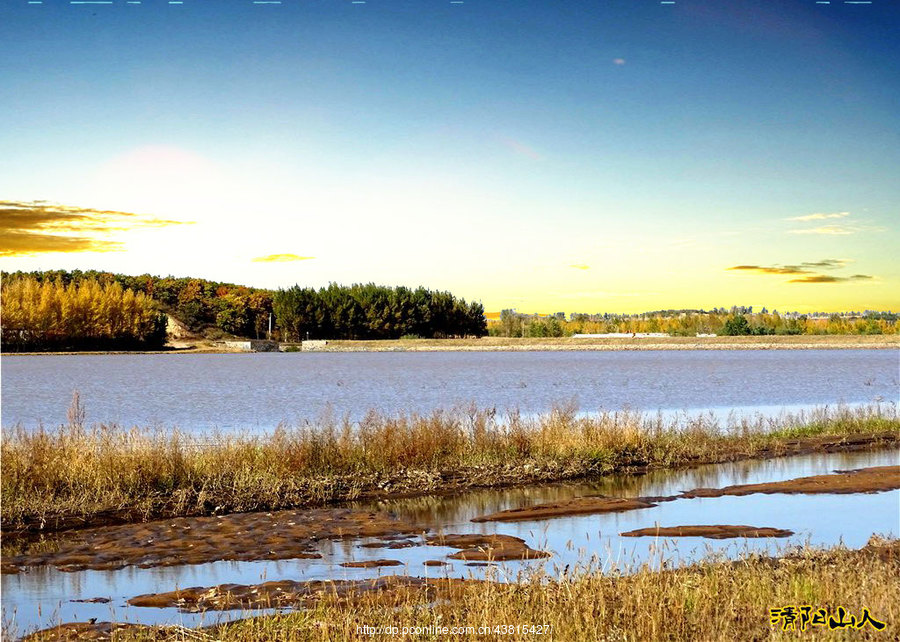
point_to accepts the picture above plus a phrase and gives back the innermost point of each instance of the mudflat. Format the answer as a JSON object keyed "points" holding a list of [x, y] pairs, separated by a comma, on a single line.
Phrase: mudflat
{"points": [[864, 480], [487, 548], [716, 531], [575, 506], [289, 534], [372, 563], [386, 590]]}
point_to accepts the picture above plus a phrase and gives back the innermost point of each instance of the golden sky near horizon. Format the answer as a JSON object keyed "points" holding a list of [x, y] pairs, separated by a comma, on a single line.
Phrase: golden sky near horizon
{"points": [[169, 210], [617, 157]]}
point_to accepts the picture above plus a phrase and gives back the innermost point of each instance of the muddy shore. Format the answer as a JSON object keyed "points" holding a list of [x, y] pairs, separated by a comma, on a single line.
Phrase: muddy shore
{"points": [[712, 531], [275, 535], [289, 593]]}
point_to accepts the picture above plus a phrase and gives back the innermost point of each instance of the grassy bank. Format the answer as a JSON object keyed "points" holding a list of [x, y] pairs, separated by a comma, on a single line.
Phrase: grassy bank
{"points": [[710, 600], [75, 476]]}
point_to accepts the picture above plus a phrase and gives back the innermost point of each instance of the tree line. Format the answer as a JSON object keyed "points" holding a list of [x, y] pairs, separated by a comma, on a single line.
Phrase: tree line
{"points": [[82, 315], [734, 322], [369, 311], [359, 311]]}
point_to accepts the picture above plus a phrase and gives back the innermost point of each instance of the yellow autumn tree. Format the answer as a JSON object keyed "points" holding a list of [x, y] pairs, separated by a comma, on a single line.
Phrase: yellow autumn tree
{"points": [[82, 315]]}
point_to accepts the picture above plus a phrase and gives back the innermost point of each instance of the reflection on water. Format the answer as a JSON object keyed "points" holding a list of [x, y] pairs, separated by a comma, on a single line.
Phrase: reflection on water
{"points": [[434, 510], [40, 596], [255, 392]]}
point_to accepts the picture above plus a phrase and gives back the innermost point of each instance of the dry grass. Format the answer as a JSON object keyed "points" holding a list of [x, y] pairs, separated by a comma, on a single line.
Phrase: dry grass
{"points": [[55, 479]]}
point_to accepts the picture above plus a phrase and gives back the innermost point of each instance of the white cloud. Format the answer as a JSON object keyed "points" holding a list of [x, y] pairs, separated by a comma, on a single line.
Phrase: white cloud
{"points": [[818, 216], [829, 230]]}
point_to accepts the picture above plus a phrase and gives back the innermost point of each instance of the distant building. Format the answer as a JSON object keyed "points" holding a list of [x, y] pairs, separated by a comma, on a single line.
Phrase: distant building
{"points": [[622, 335], [252, 345]]}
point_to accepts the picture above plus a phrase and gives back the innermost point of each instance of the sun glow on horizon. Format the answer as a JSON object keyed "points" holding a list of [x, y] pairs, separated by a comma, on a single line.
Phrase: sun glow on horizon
{"points": [[585, 168]]}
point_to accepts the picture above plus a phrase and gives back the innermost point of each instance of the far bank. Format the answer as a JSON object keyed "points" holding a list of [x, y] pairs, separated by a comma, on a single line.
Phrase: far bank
{"points": [[512, 344], [487, 344]]}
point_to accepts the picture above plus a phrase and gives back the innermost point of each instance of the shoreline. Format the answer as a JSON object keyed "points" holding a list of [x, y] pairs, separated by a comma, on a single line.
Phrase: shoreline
{"points": [[506, 344], [502, 344], [416, 482]]}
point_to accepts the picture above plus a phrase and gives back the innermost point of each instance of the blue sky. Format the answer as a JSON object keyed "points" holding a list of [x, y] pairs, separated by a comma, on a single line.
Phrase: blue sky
{"points": [[586, 156]]}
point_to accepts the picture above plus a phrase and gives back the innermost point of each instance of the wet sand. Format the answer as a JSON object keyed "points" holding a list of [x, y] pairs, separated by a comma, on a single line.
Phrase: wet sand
{"points": [[576, 506], [716, 531], [85, 631], [864, 480], [285, 593], [487, 548], [372, 563], [277, 535]]}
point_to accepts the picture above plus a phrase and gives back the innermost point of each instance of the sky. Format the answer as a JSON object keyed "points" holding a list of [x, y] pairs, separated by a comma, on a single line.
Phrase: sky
{"points": [[603, 156]]}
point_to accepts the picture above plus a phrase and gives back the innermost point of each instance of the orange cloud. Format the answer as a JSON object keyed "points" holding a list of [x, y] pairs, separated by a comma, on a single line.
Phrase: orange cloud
{"points": [[826, 278], [789, 269], [39, 227], [803, 272]]}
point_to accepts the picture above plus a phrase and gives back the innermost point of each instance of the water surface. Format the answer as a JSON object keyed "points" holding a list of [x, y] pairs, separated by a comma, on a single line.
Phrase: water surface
{"points": [[256, 392]]}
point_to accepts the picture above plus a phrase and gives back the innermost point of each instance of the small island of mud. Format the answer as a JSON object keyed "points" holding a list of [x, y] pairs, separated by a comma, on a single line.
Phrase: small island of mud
{"points": [[487, 548], [865, 480], [575, 506], [372, 563], [285, 593], [716, 531]]}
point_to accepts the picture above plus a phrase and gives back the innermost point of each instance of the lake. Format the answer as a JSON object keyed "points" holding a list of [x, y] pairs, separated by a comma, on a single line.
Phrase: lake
{"points": [[256, 392]]}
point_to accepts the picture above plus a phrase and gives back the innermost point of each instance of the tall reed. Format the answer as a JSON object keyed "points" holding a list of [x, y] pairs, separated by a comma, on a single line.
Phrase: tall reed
{"points": [[53, 478]]}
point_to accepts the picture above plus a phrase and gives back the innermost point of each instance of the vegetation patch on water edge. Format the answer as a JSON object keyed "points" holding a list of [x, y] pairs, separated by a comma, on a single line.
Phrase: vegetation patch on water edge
{"points": [[830, 592], [76, 476]]}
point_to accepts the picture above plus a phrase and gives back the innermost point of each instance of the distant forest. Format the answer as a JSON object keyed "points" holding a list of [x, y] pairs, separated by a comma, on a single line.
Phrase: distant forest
{"points": [[92, 310], [375, 312], [736, 321], [359, 311]]}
